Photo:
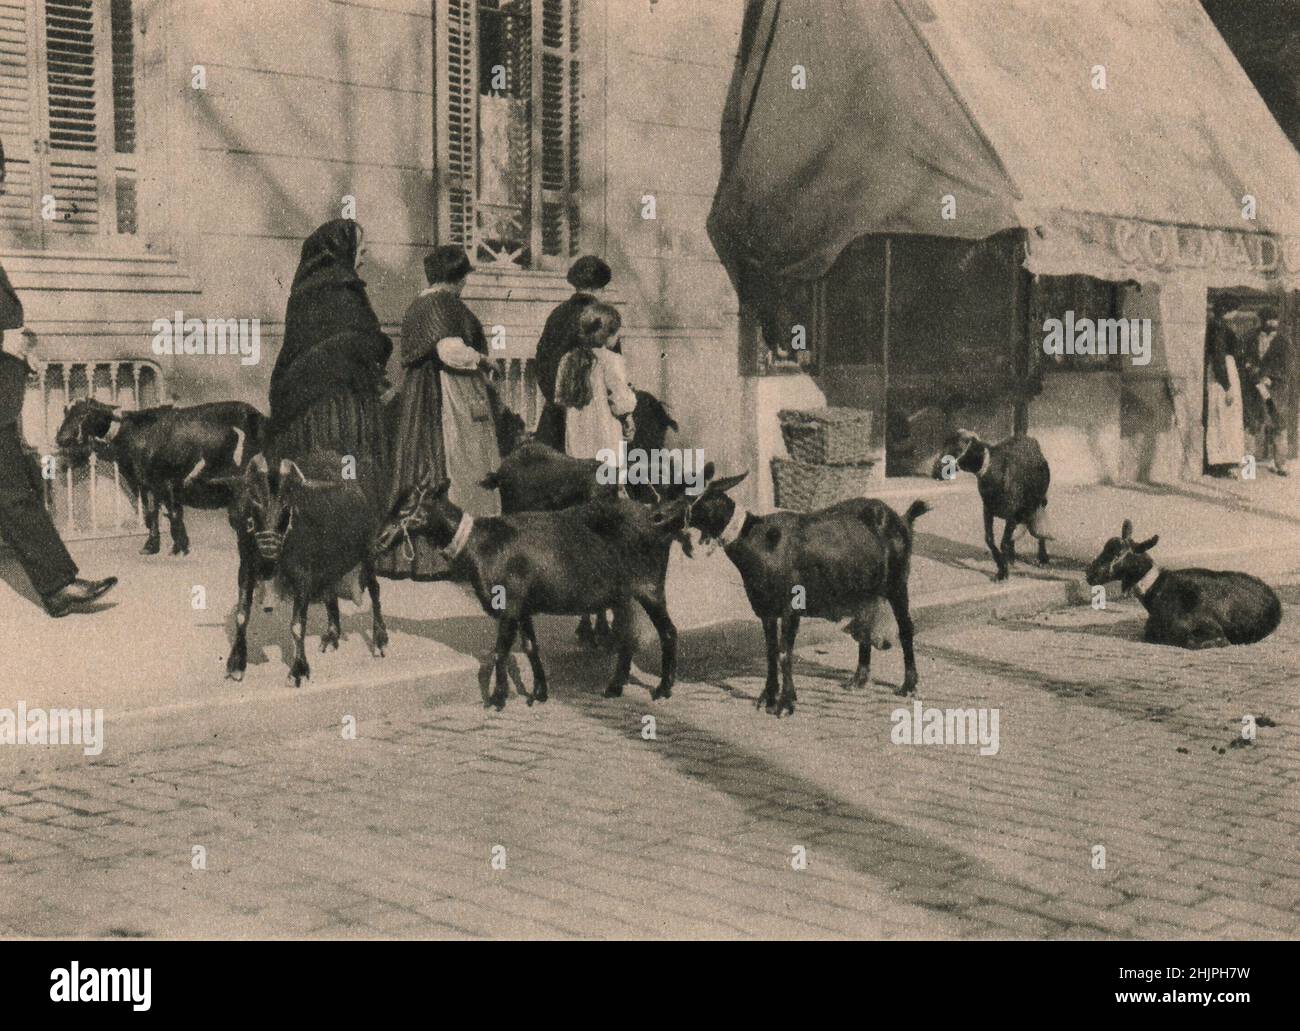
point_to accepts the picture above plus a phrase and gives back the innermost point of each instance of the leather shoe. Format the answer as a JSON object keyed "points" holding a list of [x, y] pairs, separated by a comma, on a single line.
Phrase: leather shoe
{"points": [[78, 592]]}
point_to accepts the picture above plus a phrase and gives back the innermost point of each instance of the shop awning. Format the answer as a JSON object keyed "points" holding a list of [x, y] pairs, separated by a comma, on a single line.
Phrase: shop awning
{"points": [[995, 104]]}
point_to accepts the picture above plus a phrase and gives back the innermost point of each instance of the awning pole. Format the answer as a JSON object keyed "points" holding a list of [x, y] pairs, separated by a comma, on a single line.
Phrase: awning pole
{"points": [[884, 349]]}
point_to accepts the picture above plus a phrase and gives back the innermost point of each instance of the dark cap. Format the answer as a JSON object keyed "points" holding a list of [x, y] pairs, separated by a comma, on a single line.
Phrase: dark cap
{"points": [[446, 264], [589, 273]]}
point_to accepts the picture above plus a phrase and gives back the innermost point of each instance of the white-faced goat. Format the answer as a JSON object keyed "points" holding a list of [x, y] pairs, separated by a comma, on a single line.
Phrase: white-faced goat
{"points": [[310, 537], [169, 456], [840, 562], [602, 554], [1190, 608], [1013, 479]]}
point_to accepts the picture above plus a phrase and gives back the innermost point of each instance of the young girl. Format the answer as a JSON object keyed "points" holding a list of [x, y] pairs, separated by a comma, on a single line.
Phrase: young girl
{"points": [[591, 386]]}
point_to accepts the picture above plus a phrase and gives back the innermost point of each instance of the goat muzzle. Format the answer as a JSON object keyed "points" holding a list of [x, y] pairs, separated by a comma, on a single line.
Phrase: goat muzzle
{"points": [[269, 544]]}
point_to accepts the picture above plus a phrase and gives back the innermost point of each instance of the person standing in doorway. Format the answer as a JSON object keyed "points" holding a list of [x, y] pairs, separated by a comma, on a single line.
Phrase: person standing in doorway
{"points": [[1268, 367], [589, 276], [25, 525], [1225, 433]]}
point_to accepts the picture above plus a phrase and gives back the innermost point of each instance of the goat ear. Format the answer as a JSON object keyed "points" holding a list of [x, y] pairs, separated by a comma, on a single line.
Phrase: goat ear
{"points": [[1126, 531], [289, 471], [709, 472], [1147, 544], [727, 482]]}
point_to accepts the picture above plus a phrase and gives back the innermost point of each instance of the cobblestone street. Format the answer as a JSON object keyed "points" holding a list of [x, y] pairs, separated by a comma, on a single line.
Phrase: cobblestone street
{"points": [[699, 831]]}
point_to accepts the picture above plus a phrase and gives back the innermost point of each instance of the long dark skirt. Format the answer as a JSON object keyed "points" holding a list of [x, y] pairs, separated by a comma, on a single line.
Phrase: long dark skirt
{"points": [[350, 424], [418, 449]]}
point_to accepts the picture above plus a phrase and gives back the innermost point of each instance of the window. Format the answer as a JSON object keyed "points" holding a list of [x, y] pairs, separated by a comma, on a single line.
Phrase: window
{"points": [[1051, 297], [508, 154], [68, 118]]}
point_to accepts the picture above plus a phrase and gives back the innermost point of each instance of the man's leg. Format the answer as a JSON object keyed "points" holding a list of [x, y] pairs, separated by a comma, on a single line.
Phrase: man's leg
{"points": [[26, 526]]}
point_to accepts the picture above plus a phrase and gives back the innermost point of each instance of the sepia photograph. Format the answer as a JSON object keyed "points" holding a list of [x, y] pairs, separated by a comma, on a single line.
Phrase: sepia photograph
{"points": [[650, 470]]}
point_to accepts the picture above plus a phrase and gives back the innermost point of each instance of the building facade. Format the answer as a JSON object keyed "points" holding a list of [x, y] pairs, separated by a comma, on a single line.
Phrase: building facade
{"points": [[166, 158]]}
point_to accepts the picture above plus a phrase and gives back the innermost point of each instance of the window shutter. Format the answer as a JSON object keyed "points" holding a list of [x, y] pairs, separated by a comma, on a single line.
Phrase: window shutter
{"points": [[575, 167], [18, 99], [125, 174], [457, 119], [554, 129], [72, 115]]}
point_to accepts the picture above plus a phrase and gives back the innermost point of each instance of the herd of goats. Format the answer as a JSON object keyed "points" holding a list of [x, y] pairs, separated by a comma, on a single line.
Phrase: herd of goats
{"points": [[568, 544]]}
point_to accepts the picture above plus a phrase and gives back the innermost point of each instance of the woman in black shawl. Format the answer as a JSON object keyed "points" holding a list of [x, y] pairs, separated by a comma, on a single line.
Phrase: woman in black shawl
{"points": [[328, 377]]}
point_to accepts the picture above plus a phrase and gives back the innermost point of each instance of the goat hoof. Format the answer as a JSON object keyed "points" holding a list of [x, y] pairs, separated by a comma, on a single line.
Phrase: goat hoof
{"points": [[1000, 575], [381, 642], [151, 547], [235, 674], [614, 691], [497, 701], [908, 687], [662, 691], [856, 683], [540, 696], [180, 549], [329, 641]]}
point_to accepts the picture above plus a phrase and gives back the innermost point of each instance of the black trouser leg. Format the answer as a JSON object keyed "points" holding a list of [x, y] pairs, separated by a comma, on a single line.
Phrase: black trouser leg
{"points": [[26, 526]]}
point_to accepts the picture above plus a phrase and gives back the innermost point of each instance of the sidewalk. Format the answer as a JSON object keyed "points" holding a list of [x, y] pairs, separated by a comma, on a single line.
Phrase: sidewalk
{"points": [[150, 657]]}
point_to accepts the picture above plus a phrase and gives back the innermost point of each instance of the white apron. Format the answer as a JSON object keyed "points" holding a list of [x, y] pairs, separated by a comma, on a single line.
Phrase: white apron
{"points": [[470, 442], [1225, 432]]}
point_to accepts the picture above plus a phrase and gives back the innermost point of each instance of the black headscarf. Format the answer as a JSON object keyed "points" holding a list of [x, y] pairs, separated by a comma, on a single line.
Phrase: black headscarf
{"points": [[333, 342]]}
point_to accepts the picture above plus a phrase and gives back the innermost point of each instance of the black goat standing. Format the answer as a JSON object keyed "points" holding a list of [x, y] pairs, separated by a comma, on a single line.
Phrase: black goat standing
{"points": [[534, 477], [835, 563], [306, 536], [603, 554], [1013, 479], [1190, 608], [169, 456]]}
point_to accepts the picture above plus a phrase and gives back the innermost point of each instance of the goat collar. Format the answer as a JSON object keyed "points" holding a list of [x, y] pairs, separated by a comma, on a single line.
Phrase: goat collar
{"points": [[1148, 581], [457, 545], [984, 465], [735, 526]]}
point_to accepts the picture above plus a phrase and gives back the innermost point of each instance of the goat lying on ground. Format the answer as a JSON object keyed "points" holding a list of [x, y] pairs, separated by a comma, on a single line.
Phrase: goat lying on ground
{"points": [[1190, 608], [534, 477], [308, 537], [1013, 480], [603, 554], [169, 456], [838, 562]]}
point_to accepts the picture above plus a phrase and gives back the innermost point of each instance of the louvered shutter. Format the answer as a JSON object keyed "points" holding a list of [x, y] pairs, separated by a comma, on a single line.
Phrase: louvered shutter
{"points": [[19, 218], [125, 170], [455, 22], [73, 117], [551, 98], [575, 164]]}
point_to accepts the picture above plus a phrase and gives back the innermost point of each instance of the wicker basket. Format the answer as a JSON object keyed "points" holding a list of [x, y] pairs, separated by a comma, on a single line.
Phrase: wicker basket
{"points": [[828, 436], [805, 488]]}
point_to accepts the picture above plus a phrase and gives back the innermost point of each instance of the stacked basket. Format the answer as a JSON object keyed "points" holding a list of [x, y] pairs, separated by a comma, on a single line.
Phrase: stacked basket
{"points": [[831, 457]]}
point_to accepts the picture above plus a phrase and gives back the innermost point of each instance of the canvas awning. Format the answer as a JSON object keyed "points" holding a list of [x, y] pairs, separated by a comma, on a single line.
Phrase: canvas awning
{"points": [[993, 102]]}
